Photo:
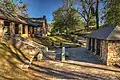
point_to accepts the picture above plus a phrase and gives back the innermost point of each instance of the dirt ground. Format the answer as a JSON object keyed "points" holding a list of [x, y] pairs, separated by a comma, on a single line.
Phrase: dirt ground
{"points": [[80, 66]]}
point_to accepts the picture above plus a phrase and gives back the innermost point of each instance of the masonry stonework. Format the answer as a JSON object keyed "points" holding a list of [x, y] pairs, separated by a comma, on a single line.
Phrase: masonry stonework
{"points": [[1, 27], [104, 51], [113, 53]]}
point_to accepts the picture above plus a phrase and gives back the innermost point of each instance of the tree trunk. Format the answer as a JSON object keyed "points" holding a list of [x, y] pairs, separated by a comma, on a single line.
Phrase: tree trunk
{"points": [[87, 25], [97, 14]]}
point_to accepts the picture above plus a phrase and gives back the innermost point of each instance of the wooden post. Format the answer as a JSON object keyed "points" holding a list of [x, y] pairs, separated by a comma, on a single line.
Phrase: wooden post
{"points": [[12, 28], [63, 54], [20, 28], [1, 28]]}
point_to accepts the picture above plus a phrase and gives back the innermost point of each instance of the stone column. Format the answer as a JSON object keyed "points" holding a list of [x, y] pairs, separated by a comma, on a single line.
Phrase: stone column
{"points": [[12, 28], [26, 29], [35, 30], [1, 28], [91, 45], [31, 30], [44, 29], [20, 28], [87, 43], [95, 46], [38, 29]]}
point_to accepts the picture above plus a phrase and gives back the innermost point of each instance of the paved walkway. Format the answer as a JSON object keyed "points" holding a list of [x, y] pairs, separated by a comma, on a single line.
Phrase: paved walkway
{"points": [[80, 66], [80, 54]]}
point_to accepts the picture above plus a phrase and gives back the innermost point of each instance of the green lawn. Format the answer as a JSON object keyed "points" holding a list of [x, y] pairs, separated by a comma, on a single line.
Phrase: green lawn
{"points": [[10, 63], [49, 41]]}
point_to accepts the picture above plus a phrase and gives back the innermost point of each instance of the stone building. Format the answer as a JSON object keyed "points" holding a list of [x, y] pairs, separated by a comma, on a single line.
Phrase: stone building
{"points": [[105, 42], [15, 30], [18, 25], [41, 25]]}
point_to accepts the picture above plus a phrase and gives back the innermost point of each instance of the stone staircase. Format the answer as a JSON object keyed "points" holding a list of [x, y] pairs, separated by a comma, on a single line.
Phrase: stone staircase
{"points": [[28, 48]]}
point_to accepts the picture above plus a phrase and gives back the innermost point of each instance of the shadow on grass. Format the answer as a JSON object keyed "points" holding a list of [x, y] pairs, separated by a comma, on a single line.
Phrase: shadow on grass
{"points": [[14, 68], [63, 74], [92, 67]]}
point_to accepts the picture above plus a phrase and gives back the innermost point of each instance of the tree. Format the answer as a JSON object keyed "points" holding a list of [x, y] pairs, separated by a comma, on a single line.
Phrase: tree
{"points": [[66, 19], [87, 12], [112, 12], [14, 7], [97, 14]]}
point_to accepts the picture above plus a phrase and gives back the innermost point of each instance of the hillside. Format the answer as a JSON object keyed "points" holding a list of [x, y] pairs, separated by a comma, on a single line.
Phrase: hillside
{"points": [[11, 63]]}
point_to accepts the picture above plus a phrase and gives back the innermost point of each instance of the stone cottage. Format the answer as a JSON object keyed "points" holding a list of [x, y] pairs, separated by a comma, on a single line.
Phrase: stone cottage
{"points": [[41, 25], [19, 25], [15, 30], [105, 42]]}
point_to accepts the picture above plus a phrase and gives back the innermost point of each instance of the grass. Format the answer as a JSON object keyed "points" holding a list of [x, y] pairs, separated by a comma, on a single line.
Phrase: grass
{"points": [[55, 41], [10, 63], [10, 60]]}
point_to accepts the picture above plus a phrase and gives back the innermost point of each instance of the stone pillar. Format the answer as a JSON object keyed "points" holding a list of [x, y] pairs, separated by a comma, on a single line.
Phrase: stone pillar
{"points": [[95, 46], [1, 28], [20, 28], [44, 29], [35, 30], [38, 29], [31, 31], [87, 43], [91, 45], [63, 54], [12, 28], [26, 29]]}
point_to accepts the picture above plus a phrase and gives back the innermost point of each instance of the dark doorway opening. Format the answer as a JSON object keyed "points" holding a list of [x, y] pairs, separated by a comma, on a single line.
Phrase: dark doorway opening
{"points": [[23, 29], [98, 47], [93, 45], [7, 27], [89, 45], [16, 29]]}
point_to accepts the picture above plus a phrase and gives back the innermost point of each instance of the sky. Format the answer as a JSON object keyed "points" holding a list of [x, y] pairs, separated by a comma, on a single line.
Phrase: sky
{"points": [[38, 8]]}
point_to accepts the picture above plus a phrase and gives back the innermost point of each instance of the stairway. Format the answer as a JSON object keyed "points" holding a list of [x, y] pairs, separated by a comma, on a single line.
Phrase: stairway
{"points": [[28, 48]]}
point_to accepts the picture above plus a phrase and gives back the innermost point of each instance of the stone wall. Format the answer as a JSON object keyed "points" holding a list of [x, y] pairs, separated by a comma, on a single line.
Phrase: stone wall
{"points": [[113, 52], [104, 51], [27, 47]]}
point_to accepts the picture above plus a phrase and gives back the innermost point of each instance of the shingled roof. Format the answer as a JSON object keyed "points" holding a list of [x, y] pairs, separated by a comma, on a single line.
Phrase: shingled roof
{"points": [[34, 22], [20, 19], [106, 33], [11, 17]]}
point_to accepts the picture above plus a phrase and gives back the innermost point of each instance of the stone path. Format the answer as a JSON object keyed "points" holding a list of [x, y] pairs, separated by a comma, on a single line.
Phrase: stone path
{"points": [[82, 55], [80, 66]]}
